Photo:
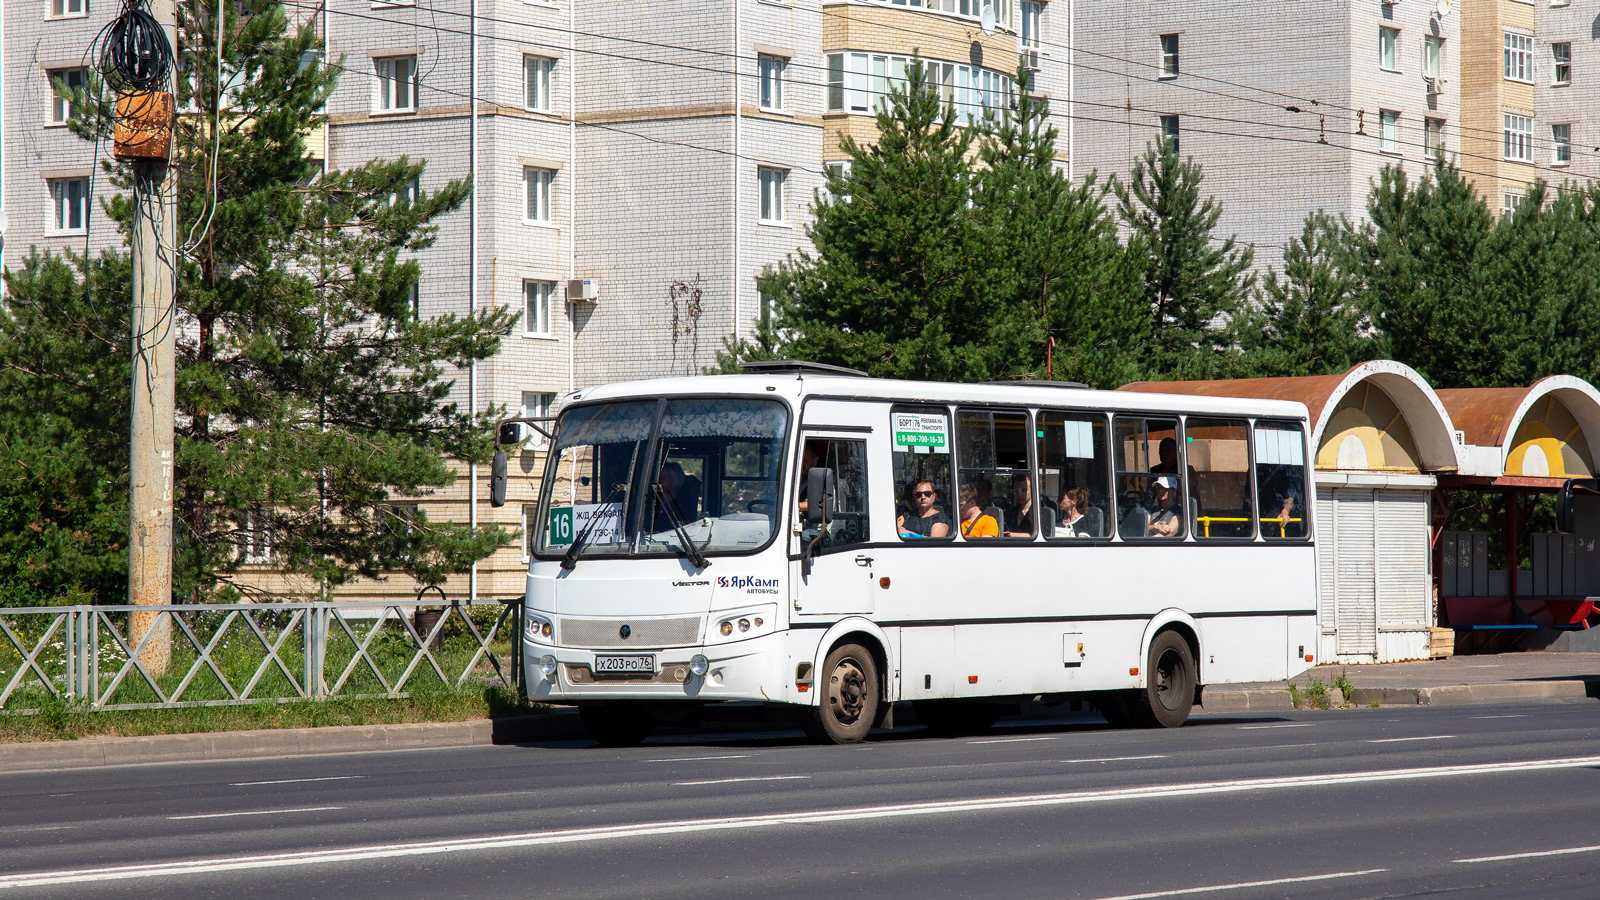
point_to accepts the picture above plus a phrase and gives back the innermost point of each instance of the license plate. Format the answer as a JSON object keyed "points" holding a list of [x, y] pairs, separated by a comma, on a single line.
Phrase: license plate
{"points": [[629, 664]]}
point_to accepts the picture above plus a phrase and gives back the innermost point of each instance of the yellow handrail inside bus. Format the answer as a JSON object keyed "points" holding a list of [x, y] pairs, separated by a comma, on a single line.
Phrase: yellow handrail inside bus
{"points": [[1205, 522]]}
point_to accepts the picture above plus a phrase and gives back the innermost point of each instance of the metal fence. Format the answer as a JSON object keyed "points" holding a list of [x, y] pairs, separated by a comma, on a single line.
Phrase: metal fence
{"points": [[227, 654]]}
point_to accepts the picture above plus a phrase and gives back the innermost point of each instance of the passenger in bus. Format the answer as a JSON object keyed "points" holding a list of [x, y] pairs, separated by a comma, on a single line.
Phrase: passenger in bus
{"points": [[974, 524], [1166, 520], [681, 491], [1020, 521], [1168, 452], [1074, 505], [925, 519]]}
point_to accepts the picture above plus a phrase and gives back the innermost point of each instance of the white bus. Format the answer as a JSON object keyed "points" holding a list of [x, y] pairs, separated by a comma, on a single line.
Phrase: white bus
{"points": [[800, 535]]}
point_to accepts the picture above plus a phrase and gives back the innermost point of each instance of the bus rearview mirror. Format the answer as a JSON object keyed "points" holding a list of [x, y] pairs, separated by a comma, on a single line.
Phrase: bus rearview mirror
{"points": [[819, 496], [497, 480]]}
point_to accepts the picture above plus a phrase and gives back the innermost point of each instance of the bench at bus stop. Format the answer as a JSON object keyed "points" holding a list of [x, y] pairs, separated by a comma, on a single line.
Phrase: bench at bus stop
{"points": [[1501, 622]]}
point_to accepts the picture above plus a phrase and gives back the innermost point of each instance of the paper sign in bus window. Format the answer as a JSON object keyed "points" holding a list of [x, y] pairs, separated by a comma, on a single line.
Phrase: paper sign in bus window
{"points": [[1079, 439], [922, 432], [567, 522]]}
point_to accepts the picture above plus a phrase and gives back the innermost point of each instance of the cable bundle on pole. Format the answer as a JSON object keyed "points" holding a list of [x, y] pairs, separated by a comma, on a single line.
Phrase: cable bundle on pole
{"points": [[137, 55]]}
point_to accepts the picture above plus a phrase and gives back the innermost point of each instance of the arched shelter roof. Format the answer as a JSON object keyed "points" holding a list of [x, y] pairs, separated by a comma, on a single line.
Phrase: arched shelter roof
{"points": [[1424, 414], [1560, 415]]}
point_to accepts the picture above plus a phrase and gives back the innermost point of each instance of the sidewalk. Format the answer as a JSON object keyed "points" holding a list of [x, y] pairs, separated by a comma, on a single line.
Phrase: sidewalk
{"points": [[1458, 680]]}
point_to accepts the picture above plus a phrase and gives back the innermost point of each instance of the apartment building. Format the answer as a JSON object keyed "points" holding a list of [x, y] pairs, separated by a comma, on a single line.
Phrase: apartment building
{"points": [[1530, 94], [1289, 108]]}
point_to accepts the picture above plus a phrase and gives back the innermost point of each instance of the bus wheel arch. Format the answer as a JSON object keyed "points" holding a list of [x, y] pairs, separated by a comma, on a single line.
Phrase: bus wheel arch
{"points": [[869, 636], [1170, 676], [1185, 625]]}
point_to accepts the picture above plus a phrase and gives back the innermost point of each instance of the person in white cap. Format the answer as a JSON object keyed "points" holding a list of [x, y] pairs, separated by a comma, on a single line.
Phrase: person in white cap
{"points": [[1165, 519]]}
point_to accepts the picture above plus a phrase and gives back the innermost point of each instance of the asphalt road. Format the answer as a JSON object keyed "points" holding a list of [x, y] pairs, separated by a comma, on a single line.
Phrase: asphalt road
{"points": [[1470, 802]]}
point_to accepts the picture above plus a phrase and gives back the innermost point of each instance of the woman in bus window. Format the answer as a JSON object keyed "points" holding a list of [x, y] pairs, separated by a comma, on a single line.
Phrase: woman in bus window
{"points": [[1073, 504], [1165, 518], [974, 524]]}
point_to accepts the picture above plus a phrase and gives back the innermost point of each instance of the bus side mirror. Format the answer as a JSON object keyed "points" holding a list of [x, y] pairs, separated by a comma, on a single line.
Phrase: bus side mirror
{"points": [[819, 496], [1567, 502], [497, 480], [510, 433]]}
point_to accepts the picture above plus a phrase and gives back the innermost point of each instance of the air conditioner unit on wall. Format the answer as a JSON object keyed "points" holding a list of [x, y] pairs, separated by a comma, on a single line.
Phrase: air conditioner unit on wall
{"points": [[1435, 85], [1030, 59], [583, 290]]}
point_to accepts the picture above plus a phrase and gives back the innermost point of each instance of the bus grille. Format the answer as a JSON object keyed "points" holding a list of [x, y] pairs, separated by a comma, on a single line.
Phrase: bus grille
{"points": [[678, 632]]}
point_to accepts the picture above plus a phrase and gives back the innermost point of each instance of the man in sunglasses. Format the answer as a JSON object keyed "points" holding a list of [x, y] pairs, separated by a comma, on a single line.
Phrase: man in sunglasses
{"points": [[925, 519]]}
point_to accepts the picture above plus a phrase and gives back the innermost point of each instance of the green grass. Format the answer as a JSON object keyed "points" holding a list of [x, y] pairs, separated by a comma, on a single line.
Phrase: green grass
{"points": [[57, 721], [1314, 695]]}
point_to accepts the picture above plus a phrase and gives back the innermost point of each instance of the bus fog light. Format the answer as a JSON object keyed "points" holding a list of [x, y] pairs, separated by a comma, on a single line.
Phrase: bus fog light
{"points": [[699, 665], [726, 628], [744, 624], [547, 666], [544, 630]]}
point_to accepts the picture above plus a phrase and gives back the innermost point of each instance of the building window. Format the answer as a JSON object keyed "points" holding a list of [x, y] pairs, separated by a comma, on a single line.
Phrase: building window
{"points": [[1388, 40], [536, 405], [257, 537], [536, 71], [411, 193], [1432, 138], [839, 170], [61, 107], [397, 83], [62, 8], [1510, 202], [1388, 131], [857, 82], [771, 193], [771, 72], [835, 99], [1561, 140], [69, 204], [416, 301], [530, 521], [1519, 57], [1169, 132], [536, 187], [536, 306], [1519, 138], [1169, 56], [1561, 55], [1433, 56], [1032, 19], [766, 310]]}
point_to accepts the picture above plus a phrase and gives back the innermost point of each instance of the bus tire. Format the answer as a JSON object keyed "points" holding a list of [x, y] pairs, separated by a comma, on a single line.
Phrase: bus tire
{"points": [[617, 723], [1169, 685], [955, 716], [850, 696]]}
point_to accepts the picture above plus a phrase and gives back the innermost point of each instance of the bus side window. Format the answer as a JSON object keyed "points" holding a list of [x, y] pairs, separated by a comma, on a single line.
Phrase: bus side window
{"points": [[1281, 481], [1074, 473], [1219, 477], [923, 491], [994, 480], [1150, 473]]}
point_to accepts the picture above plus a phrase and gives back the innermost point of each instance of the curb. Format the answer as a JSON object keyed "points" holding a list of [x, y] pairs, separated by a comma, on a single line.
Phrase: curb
{"points": [[1253, 700], [1469, 694], [273, 742]]}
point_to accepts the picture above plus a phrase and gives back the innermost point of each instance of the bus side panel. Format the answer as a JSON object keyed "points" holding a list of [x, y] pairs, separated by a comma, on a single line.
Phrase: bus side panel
{"points": [[1243, 649]]}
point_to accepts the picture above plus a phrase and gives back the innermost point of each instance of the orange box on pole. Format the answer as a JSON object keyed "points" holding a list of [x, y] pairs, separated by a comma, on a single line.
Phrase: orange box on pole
{"points": [[144, 125]]}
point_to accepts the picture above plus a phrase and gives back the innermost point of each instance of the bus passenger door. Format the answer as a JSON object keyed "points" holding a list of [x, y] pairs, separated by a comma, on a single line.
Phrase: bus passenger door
{"points": [[841, 579]]}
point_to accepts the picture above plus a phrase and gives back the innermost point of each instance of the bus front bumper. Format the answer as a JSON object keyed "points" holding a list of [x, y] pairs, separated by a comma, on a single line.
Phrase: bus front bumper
{"points": [[751, 669]]}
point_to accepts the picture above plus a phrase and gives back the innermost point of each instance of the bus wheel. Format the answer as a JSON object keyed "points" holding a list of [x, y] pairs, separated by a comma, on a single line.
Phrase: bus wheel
{"points": [[850, 695], [956, 717], [1169, 691], [617, 723]]}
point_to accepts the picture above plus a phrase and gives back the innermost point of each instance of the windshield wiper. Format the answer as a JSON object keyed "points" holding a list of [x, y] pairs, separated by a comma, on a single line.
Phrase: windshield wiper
{"points": [[689, 549], [569, 560]]}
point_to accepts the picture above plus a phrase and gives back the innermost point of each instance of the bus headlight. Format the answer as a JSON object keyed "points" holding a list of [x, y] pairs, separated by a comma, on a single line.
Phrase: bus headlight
{"points": [[537, 628], [547, 666], [699, 665], [745, 623]]}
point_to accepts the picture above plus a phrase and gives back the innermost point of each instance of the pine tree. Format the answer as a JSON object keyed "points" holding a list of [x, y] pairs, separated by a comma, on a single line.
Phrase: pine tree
{"points": [[1192, 288], [1061, 242], [908, 277], [1309, 319], [310, 396]]}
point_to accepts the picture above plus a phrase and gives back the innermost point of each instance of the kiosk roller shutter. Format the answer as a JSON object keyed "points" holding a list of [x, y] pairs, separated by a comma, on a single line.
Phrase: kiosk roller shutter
{"points": [[1404, 591], [1356, 601]]}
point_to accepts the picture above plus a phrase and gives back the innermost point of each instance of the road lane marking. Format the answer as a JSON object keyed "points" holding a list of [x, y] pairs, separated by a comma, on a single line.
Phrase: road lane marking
{"points": [[1290, 725], [1116, 758], [683, 827], [1516, 716], [1430, 737], [1213, 888], [256, 812], [1568, 851], [296, 780], [741, 780], [695, 758], [1017, 740]]}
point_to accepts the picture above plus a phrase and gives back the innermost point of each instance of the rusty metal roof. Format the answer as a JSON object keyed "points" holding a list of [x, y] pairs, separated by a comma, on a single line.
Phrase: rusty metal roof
{"points": [[1312, 390], [1485, 415]]}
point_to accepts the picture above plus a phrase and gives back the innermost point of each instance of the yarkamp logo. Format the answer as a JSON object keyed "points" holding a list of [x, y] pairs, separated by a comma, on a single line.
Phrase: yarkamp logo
{"points": [[749, 585]]}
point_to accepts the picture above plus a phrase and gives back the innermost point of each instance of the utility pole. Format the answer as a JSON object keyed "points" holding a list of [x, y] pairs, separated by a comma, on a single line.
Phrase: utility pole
{"points": [[145, 119]]}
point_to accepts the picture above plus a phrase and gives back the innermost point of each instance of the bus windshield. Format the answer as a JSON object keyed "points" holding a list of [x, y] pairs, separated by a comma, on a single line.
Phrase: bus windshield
{"points": [[622, 483]]}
